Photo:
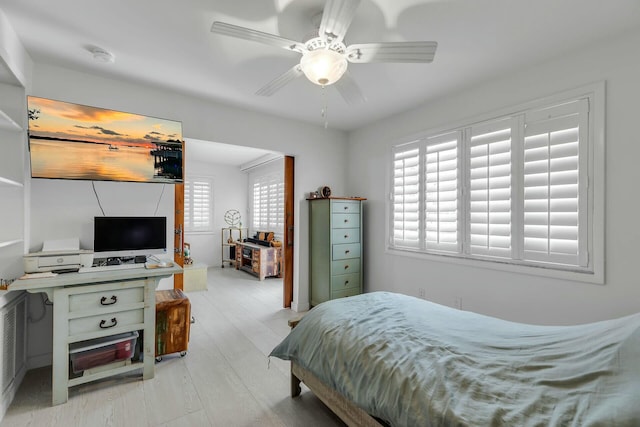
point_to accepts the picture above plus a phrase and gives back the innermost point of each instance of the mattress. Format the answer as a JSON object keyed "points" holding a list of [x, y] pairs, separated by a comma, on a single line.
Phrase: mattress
{"points": [[411, 362]]}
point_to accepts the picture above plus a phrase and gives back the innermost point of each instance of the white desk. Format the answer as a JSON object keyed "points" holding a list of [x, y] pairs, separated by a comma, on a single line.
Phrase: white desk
{"points": [[93, 305]]}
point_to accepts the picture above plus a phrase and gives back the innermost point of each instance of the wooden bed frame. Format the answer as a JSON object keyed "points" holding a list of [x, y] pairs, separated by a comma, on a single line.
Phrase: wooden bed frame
{"points": [[345, 409]]}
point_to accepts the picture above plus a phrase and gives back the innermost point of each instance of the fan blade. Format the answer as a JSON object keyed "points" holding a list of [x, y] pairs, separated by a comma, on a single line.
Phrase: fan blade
{"points": [[276, 84], [336, 18], [256, 36], [349, 89], [392, 52]]}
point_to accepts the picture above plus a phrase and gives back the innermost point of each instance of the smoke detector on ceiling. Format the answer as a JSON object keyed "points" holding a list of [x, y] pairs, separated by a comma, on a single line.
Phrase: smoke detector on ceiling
{"points": [[102, 55]]}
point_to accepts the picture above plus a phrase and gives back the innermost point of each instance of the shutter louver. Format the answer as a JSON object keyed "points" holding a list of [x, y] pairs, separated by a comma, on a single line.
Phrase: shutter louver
{"points": [[552, 218], [441, 193], [201, 205], [197, 204], [490, 190], [188, 222], [268, 204], [406, 196]]}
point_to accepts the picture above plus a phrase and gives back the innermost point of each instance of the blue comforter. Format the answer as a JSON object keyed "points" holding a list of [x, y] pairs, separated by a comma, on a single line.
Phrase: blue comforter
{"points": [[415, 363]]}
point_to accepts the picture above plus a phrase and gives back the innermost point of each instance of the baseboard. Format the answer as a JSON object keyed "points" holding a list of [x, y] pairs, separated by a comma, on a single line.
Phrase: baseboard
{"points": [[35, 362], [297, 307]]}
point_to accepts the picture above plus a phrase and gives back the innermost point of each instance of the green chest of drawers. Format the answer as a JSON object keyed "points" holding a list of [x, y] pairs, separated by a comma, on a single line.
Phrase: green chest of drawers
{"points": [[335, 248]]}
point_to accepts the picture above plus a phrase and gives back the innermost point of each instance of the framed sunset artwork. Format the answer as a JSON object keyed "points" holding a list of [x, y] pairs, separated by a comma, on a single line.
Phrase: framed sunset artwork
{"points": [[73, 141]]}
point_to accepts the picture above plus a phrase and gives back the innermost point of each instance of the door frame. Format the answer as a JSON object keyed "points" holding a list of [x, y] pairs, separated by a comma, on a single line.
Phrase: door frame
{"points": [[178, 225], [288, 246]]}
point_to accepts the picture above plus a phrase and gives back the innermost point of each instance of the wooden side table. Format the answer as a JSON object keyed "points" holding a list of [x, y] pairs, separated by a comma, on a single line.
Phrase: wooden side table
{"points": [[173, 321]]}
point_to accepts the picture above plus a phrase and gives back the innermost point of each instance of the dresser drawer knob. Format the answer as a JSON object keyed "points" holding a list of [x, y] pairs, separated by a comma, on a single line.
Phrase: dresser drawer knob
{"points": [[346, 208], [347, 251], [114, 322], [346, 266], [346, 282], [346, 236], [103, 300], [346, 220]]}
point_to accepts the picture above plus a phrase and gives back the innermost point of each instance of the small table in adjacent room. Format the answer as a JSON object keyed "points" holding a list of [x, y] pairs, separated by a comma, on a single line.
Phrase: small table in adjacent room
{"points": [[195, 277], [261, 261]]}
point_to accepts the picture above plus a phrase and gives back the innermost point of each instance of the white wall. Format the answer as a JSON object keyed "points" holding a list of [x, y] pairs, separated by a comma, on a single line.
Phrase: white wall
{"points": [[229, 192], [63, 208], [518, 297]]}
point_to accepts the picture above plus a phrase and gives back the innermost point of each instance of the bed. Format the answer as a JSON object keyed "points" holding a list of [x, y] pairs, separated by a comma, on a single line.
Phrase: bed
{"points": [[389, 359]]}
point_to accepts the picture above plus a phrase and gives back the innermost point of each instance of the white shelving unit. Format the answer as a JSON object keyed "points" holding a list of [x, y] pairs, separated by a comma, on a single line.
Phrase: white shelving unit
{"points": [[13, 305], [230, 236], [8, 123], [13, 357], [11, 194]]}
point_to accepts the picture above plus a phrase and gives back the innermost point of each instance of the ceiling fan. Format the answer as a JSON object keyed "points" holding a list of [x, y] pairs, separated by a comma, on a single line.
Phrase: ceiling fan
{"points": [[324, 58]]}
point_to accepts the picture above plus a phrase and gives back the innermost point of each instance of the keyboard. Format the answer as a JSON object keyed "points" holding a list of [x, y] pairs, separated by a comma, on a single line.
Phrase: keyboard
{"points": [[109, 268]]}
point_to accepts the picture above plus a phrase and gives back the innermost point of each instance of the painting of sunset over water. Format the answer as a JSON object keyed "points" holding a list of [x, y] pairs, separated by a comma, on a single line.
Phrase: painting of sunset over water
{"points": [[72, 141]]}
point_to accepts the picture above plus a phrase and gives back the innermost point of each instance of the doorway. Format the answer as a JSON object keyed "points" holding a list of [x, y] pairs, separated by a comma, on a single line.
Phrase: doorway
{"points": [[229, 167]]}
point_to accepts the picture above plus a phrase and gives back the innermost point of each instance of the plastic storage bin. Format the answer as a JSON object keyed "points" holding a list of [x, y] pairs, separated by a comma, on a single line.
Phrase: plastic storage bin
{"points": [[100, 351]]}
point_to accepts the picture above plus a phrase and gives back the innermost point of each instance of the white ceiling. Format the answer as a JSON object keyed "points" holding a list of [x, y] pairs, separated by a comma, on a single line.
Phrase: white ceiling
{"points": [[168, 43], [224, 154]]}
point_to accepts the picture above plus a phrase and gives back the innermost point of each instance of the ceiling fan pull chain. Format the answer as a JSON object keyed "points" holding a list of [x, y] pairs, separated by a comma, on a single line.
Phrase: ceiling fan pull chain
{"points": [[325, 107]]}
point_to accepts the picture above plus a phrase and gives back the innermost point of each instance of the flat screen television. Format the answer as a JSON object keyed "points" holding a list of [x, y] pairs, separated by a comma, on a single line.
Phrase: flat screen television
{"points": [[73, 141], [129, 236]]}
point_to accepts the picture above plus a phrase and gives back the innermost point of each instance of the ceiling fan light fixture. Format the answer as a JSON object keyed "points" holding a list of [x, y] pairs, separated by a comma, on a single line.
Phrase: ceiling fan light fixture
{"points": [[323, 66]]}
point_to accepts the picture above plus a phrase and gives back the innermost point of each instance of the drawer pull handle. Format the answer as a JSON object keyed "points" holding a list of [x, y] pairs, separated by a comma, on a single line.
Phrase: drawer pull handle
{"points": [[346, 282], [114, 322], [114, 299], [346, 207], [346, 220], [347, 251], [346, 266], [346, 236]]}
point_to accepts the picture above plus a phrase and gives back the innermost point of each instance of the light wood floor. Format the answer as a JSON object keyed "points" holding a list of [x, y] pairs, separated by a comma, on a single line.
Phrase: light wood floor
{"points": [[226, 378]]}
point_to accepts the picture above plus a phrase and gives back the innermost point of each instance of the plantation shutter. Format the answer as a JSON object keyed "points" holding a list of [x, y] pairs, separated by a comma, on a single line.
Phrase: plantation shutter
{"points": [[406, 196], [490, 175], [441, 193], [555, 229], [268, 204], [197, 204]]}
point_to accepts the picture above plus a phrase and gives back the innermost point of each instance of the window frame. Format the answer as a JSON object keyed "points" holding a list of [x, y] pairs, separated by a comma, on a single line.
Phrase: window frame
{"points": [[188, 216], [594, 161]]}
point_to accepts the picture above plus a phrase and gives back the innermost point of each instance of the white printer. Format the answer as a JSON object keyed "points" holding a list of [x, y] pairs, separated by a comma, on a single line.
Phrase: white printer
{"points": [[38, 262], [64, 254]]}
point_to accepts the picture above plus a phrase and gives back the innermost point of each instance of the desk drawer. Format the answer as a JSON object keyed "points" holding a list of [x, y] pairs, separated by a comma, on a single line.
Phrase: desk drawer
{"points": [[340, 220], [105, 321], [345, 281], [114, 298], [349, 250], [345, 235]]}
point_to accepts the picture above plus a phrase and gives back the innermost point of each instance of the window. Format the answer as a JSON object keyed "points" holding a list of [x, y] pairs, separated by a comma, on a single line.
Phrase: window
{"points": [[514, 189], [268, 203], [198, 204]]}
